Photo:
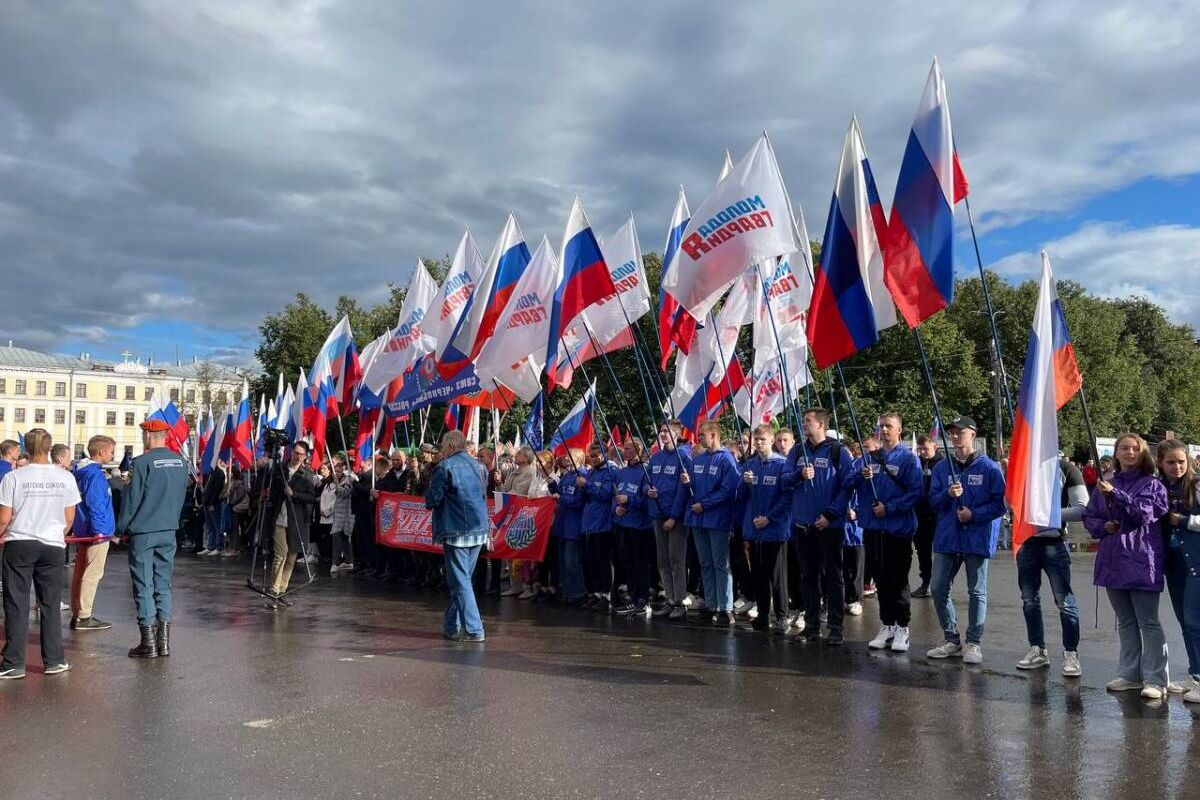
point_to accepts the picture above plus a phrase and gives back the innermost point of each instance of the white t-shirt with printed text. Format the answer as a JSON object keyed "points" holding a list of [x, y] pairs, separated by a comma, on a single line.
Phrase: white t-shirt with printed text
{"points": [[39, 495]]}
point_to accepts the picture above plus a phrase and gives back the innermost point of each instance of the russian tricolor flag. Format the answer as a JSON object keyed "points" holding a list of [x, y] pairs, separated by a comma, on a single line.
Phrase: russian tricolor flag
{"points": [[850, 303], [204, 431], [458, 416], [1051, 378], [710, 398], [920, 238], [345, 371], [504, 269], [585, 280], [676, 327], [179, 433], [237, 440], [578, 429]]}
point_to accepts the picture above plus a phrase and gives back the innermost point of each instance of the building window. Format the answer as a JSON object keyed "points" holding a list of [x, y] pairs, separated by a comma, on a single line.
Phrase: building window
{"points": [[19, 386], [1, 413], [78, 452], [131, 393], [60, 389], [39, 416], [81, 391], [207, 396], [191, 395], [110, 392], [80, 417], [110, 418], [60, 416], [149, 393], [174, 395], [128, 419], [3, 385], [222, 398], [39, 389], [18, 415]]}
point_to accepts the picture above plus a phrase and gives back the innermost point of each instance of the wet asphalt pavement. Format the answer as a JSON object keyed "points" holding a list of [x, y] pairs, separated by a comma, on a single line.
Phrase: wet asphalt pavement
{"points": [[353, 693]]}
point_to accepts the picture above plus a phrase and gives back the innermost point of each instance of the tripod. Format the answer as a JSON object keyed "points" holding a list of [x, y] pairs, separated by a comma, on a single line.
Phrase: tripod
{"points": [[263, 523]]}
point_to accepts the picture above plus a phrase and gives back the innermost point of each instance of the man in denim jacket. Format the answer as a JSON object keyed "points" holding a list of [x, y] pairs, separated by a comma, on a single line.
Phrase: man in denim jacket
{"points": [[457, 496]]}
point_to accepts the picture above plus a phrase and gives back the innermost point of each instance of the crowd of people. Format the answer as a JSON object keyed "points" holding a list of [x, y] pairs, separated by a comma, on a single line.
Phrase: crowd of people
{"points": [[783, 536]]}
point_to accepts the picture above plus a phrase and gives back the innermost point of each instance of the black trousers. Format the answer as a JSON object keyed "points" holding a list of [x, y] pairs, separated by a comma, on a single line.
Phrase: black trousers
{"points": [[821, 574], [41, 564], [693, 568], [923, 544], [853, 559], [548, 569], [769, 569], [636, 546], [889, 559], [363, 541], [795, 584], [597, 562]]}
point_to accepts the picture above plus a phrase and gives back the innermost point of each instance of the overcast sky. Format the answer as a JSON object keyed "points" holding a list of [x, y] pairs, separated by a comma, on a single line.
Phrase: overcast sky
{"points": [[171, 171]]}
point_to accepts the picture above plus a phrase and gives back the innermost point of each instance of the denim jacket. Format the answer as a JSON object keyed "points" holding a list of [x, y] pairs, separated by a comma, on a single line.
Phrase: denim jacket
{"points": [[457, 495]]}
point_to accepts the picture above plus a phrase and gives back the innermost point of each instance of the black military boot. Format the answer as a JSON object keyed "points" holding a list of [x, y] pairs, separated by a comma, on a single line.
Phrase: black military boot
{"points": [[148, 648], [162, 638]]}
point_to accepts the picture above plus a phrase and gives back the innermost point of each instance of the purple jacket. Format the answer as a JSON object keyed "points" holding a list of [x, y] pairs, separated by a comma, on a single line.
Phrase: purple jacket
{"points": [[1131, 558]]}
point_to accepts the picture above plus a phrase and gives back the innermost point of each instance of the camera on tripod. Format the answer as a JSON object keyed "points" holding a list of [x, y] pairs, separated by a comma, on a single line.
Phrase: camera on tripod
{"points": [[274, 439]]}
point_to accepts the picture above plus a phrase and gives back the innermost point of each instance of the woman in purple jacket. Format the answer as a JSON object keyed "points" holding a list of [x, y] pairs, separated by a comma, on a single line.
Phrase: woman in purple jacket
{"points": [[1124, 516]]}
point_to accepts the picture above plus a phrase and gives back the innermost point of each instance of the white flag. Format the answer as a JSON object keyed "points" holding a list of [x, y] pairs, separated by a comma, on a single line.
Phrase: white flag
{"points": [[608, 318], [516, 355], [390, 355], [747, 218], [466, 270]]}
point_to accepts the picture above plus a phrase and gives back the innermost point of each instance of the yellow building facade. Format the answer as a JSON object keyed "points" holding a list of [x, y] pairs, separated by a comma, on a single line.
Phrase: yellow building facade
{"points": [[76, 398]]}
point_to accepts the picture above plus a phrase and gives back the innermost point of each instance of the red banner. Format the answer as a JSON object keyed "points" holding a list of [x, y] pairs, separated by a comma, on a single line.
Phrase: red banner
{"points": [[520, 525]]}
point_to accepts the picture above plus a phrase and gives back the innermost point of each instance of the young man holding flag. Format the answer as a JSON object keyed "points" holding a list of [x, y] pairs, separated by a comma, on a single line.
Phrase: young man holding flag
{"points": [[888, 488], [968, 497]]}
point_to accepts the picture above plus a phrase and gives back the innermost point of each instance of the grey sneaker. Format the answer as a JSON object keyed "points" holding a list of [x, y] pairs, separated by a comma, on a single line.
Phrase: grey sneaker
{"points": [[1036, 658], [947, 649], [1071, 667], [1122, 685], [12, 674], [55, 669], [972, 653]]}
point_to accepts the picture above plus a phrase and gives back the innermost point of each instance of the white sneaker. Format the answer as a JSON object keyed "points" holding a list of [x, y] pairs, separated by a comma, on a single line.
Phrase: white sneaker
{"points": [[1036, 658], [1152, 692], [972, 653], [739, 606], [63, 606], [698, 604], [527, 594], [886, 634], [1071, 667], [947, 649], [1193, 696], [203, 552], [855, 609], [1122, 685], [1182, 687], [752, 611], [512, 591], [900, 640]]}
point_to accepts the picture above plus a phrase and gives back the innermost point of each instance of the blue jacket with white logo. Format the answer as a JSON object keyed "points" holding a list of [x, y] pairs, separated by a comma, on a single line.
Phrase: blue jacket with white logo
{"points": [[983, 493], [672, 501], [94, 513], [631, 482], [715, 477], [829, 491], [766, 497], [898, 485], [597, 499], [568, 519]]}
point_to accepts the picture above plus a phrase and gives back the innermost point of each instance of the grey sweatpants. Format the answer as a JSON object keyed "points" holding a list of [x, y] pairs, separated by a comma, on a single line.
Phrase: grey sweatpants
{"points": [[1143, 644], [672, 561]]}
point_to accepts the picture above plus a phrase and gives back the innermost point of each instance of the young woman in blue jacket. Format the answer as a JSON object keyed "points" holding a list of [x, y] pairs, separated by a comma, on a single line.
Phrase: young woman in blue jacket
{"points": [[1181, 534], [568, 523], [765, 512], [631, 520], [597, 488], [714, 480]]}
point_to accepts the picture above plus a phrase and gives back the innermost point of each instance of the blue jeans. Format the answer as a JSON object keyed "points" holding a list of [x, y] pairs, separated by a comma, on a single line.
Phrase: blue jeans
{"points": [[151, 562], [945, 567], [213, 527], [570, 568], [1185, 600], [712, 547], [462, 613], [1054, 559]]}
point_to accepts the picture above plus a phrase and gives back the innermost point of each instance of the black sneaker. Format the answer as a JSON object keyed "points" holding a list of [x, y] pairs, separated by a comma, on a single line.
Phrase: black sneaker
{"points": [[834, 640], [625, 609], [811, 636], [921, 591], [723, 619], [590, 603], [601, 605], [89, 624]]}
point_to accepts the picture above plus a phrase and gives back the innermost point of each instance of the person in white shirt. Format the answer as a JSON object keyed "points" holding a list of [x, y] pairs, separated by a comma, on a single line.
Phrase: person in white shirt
{"points": [[37, 508]]}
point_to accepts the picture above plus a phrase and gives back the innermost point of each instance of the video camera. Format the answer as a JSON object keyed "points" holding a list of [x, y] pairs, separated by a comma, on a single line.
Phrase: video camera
{"points": [[274, 439]]}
